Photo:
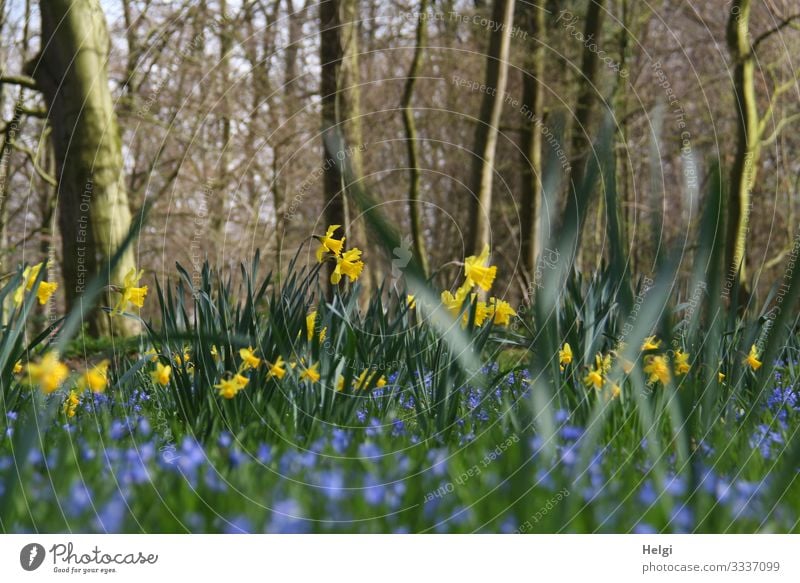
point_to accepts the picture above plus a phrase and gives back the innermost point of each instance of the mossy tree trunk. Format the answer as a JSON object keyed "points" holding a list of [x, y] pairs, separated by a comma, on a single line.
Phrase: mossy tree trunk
{"points": [[531, 146], [93, 213], [748, 141], [414, 211], [488, 124]]}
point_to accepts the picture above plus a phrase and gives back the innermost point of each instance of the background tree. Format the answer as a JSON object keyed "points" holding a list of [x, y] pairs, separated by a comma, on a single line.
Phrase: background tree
{"points": [[93, 212]]}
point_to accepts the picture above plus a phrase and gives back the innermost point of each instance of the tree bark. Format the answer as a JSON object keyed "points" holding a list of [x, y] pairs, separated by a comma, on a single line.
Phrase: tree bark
{"points": [[531, 147], [414, 211], [748, 141], [93, 212], [488, 124], [331, 59]]}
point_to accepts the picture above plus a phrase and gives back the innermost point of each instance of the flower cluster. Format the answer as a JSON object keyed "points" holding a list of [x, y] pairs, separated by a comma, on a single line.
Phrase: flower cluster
{"points": [[348, 262], [478, 273]]}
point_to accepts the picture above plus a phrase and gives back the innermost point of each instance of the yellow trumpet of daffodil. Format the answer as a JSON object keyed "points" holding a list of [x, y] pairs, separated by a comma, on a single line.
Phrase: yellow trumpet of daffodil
{"points": [[249, 358], [328, 244], [311, 374], [657, 367], [71, 404], [229, 388], [349, 264], [277, 369], [565, 354], [131, 292], [478, 271], [96, 378], [752, 358], [48, 374], [29, 275], [501, 311], [162, 374], [682, 365]]}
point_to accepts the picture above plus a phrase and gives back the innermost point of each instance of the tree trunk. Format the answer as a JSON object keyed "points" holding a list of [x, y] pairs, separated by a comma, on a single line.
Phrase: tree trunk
{"points": [[331, 61], [531, 147], [748, 142], [414, 211], [94, 217], [581, 144], [488, 125]]}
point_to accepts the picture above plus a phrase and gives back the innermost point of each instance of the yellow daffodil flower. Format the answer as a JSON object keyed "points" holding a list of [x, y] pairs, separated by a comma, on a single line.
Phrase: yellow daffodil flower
{"points": [[594, 379], [48, 374], [565, 355], [45, 291], [411, 302], [96, 378], [228, 388], [501, 312], [311, 374], [348, 264], [657, 367], [478, 272], [240, 380], [214, 353], [365, 378], [277, 369], [682, 365], [131, 292], [311, 325], [720, 376], [71, 404], [161, 374], [752, 359], [651, 343], [249, 358], [328, 244], [17, 367]]}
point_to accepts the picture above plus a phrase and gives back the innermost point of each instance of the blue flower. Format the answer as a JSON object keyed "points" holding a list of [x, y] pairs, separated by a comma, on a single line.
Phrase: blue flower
{"points": [[238, 525], [264, 453], [287, 518]]}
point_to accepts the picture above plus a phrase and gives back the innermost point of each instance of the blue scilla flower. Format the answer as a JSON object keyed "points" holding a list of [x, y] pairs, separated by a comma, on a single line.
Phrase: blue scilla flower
{"points": [[675, 485], [571, 432], [118, 429], [287, 518], [374, 428], [143, 427], [225, 439], [332, 484], [647, 494], [681, 518], [112, 515], [369, 451], [374, 492], [361, 415], [398, 428], [12, 415], [437, 458], [79, 500], [340, 440], [264, 453], [237, 457], [213, 480], [293, 462], [644, 528], [238, 525]]}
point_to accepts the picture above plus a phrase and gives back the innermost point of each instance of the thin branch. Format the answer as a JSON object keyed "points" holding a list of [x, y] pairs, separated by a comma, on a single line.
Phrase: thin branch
{"points": [[21, 80], [32, 157], [785, 121], [783, 24]]}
